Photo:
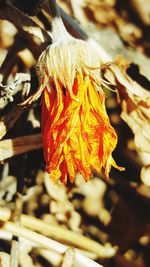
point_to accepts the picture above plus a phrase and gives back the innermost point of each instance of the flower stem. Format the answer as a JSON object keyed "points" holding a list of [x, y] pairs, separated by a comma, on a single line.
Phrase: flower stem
{"points": [[59, 31], [54, 8]]}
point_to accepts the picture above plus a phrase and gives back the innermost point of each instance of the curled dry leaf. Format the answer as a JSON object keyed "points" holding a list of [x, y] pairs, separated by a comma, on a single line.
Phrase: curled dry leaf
{"points": [[136, 113], [135, 102]]}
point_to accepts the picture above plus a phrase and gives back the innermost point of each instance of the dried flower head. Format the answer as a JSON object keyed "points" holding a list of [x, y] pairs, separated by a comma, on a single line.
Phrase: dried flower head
{"points": [[77, 134]]}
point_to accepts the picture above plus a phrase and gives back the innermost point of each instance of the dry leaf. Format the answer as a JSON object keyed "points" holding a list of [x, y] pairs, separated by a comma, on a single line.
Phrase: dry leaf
{"points": [[135, 102], [136, 113]]}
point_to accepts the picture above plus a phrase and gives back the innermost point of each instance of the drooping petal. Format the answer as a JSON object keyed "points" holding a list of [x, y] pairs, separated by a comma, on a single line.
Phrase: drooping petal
{"points": [[77, 134]]}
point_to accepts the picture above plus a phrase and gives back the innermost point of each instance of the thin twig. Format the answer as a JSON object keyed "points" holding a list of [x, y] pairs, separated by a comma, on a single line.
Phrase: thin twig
{"points": [[16, 214], [22, 82], [14, 254], [8, 121], [59, 233], [23, 22], [141, 9], [10, 59], [48, 243]]}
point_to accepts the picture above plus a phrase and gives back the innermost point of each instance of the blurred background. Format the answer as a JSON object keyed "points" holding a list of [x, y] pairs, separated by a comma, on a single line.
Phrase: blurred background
{"points": [[115, 212]]}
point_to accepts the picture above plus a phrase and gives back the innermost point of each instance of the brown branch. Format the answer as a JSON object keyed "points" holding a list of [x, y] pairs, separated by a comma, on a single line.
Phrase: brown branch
{"points": [[22, 21], [8, 121], [142, 9], [19, 145], [10, 59]]}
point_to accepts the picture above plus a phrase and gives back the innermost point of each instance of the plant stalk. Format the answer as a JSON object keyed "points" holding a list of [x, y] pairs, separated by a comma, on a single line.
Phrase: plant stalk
{"points": [[59, 32]]}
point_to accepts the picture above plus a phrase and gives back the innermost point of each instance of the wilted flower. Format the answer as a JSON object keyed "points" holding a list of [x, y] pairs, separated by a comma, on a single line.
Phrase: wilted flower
{"points": [[77, 134]]}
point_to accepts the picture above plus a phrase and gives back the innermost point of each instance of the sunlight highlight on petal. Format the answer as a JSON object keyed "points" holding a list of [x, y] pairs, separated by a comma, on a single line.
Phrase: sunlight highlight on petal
{"points": [[77, 134]]}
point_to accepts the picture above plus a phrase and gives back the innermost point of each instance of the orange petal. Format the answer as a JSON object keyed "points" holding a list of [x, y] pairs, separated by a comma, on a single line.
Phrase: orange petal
{"points": [[77, 134]]}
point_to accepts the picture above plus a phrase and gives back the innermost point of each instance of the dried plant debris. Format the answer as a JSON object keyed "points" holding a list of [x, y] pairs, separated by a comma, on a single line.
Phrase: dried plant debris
{"points": [[129, 19], [101, 222]]}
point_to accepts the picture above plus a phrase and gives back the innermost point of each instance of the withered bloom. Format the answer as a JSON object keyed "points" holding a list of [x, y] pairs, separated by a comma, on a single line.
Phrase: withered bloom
{"points": [[77, 134]]}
